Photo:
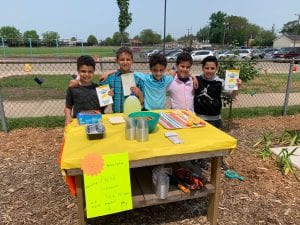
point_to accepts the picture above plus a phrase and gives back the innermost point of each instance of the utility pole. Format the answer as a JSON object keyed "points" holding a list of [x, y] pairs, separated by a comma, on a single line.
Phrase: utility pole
{"points": [[189, 30], [165, 19]]}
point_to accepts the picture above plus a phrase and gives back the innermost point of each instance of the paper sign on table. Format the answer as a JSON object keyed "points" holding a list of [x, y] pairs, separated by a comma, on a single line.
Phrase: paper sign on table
{"points": [[127, 82], [231, 78], [109, 191], [103, 96]]}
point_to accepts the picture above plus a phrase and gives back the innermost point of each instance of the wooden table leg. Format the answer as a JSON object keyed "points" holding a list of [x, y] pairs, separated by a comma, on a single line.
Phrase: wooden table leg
{"points": [[80, 199], [213, 203]]}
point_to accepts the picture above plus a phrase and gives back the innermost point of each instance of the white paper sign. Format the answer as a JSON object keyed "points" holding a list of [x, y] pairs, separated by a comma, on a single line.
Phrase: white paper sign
{"points": [[231, 78], [103, 96], [127, 83]]}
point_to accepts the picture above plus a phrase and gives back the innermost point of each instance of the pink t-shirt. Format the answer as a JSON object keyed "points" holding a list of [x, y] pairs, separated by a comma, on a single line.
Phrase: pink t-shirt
{"points": [[182, 94]]}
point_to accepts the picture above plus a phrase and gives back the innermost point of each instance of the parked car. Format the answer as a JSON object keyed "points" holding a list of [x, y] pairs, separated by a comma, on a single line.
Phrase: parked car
{"points": [[226, 54], [286, 53], [151, 52], [269, 51], [172, 55], [199, 55], [245, 53]]}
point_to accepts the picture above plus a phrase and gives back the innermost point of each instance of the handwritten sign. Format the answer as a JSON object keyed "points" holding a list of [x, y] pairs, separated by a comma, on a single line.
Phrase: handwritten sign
{"points": [[127, 82], [109, 191], [231, 77]]}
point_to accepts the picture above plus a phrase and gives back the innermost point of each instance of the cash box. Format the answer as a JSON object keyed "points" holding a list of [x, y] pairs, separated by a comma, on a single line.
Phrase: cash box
{"points": [[95, 131]]}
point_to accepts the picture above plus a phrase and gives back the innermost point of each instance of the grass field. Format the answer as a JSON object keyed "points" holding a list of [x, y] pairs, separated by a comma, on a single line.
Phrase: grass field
{"points": [[61, 51]]}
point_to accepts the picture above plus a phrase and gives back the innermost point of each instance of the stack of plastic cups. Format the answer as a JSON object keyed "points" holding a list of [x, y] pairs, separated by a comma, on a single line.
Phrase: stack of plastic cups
{"points": [[142, 131], [130, 129]]}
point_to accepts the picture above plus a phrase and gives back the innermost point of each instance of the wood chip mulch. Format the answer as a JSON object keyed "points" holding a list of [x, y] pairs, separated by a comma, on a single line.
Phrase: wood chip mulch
{"points": [[32, 190]]}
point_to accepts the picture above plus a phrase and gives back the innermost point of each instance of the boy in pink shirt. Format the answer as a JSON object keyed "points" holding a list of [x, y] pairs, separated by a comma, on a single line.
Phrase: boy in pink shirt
{"points": [[181, 90]]}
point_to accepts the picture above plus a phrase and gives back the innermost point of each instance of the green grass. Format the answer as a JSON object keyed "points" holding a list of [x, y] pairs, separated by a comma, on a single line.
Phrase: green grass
{"points": [[270, 83], [259, 111], [61, 51], [25, 88], [47, 122]]}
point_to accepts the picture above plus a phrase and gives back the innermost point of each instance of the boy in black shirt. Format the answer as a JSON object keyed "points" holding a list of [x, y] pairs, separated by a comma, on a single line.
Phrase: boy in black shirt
{"points": [[84, 97]]}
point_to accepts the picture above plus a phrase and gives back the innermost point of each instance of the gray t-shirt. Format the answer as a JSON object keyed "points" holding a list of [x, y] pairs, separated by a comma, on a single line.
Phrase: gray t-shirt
{"points": [[82, 98]]}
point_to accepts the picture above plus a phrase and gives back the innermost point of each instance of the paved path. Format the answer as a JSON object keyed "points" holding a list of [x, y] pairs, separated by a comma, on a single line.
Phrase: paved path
{"points": [[17, 109]]}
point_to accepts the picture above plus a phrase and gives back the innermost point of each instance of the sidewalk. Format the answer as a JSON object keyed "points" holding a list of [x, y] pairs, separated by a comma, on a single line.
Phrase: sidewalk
{"points": [[18, 109]]}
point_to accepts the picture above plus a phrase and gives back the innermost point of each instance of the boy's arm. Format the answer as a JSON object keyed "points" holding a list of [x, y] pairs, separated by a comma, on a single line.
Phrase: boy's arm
{"points": [[68, 115], [138, 93], [104, 75]]}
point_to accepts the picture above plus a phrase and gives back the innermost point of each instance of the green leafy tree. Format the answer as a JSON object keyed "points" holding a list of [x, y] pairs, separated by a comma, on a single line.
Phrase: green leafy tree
{"points": [[50, 37], [169, 38], [264, 38], [73, 39], [31, 34], [11, 34], [290, 27], [125, 18], [92, 40], [108, 41], [217, 27], [118, 38], [149, 37], [203, 34]]}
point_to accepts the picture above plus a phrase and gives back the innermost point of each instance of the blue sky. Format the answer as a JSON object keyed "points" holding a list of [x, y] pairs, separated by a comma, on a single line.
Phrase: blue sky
{"points": [[100, 17]]}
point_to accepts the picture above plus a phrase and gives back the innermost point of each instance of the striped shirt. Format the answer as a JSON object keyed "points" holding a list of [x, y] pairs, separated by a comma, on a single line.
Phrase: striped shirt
{"points": [[114, 81]]}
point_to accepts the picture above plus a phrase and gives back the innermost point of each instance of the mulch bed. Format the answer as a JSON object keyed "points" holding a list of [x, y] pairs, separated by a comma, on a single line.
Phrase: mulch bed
{"points": [[33, 192]]}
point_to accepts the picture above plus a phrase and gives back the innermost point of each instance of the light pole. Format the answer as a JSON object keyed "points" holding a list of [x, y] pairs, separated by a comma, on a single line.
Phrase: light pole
{"points": [[164, 41], [225, 26]]}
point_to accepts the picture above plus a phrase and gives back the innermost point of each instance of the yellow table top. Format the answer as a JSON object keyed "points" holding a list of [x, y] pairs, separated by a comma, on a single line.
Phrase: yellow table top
{"points": [[201, 139]]}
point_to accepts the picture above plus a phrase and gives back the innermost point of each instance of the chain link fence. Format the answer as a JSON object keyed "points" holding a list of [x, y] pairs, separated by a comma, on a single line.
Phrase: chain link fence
{"points": [[36, 88]]}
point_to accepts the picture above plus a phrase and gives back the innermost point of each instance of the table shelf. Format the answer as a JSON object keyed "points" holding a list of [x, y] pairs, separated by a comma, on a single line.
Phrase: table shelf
{"points": [[143, 194]]}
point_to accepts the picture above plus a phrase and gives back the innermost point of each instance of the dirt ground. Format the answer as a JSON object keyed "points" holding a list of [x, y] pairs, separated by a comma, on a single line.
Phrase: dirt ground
{"points": [[33, 192]]}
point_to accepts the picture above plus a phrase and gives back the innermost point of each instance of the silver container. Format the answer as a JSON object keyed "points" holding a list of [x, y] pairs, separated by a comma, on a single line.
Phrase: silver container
{"points": [[130, 129], [141, 130]]}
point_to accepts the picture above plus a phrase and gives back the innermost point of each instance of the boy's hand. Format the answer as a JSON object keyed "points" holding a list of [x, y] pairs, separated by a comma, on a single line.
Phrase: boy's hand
{"points": [[74, 83], [104, 75], [136, 90], [195, 81], [111, 92], [68, 120], [239, 82]]}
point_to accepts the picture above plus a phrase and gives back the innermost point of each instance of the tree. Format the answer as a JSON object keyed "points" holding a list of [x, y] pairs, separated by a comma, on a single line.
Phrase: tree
{"points": [[217, 27], [92, 40], [31, 34], [148, 37], [264, 38], [125, 18], [290, 27], [50, 38], [169, 38], [11, 34], [108, 41], [203, 34], [118, 38]]}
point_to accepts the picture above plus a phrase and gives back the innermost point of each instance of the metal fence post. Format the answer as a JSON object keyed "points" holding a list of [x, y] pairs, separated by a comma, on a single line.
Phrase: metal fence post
{"points": [[2, 114], [288, 88]]}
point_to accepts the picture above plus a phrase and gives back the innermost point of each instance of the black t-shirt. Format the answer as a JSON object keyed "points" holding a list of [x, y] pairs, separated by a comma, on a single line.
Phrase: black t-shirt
{"points": [[82, 98], [207, 100]]}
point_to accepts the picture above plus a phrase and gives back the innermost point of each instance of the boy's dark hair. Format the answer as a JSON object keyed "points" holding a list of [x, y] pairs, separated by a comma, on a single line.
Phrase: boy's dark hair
{"points": [[210, 59], [183, 57], [157, 59], [86, 60], [124, 50]]}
